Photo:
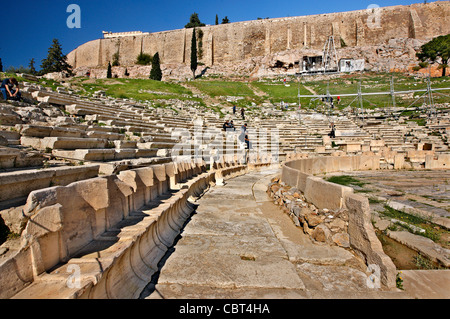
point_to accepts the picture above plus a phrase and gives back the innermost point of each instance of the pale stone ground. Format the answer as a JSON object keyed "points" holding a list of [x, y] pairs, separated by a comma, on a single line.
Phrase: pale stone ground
{"points": [[239, 245], [425, 190]]}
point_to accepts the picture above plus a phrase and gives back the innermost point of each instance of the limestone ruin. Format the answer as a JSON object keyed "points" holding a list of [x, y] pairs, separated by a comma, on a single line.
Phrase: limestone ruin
{"points": [[386, 38]]}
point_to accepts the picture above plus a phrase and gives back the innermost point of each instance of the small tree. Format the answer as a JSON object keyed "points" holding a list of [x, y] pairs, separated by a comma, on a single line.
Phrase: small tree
{"points": [[155, 73], [144, 59], [31, 67], [225, 20], [217, 19], [56, 61], [116, 59], [109, 72], [436, 51], [194, 21], [1, 65], [194, 62]]}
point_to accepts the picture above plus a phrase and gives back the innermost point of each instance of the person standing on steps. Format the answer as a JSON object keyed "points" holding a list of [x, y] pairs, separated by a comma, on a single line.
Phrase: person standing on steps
{"points": [[332, 134], [243, 113]]}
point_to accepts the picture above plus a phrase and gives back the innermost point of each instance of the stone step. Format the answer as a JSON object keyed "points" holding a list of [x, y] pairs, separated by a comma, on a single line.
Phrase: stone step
{"points": [[20, 183], [86, 154], [16, 158], [49, 131], [68, 143], [104, 154], [111, 136]]}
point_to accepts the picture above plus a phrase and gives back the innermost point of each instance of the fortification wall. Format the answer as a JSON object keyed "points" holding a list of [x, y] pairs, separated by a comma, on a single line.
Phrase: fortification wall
{"points": [[243, 40]]}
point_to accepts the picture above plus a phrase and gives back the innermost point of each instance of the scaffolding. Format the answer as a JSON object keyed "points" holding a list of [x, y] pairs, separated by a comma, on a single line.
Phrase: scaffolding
{"points": [[427, 96], [330, 59]]}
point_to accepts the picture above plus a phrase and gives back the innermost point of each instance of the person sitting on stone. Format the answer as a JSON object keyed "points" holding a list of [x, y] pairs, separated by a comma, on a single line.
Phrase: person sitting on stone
{"points": [[232, 126], [226, 125], [10, 89]]}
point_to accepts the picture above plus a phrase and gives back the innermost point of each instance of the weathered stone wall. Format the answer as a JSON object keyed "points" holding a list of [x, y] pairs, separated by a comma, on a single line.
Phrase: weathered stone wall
{"points": [[244, 40], [323, 194]]}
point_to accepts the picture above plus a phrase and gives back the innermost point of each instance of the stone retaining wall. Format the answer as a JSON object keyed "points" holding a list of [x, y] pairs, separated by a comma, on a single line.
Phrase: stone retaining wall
{"points": [[299, 172], [323, 194]]}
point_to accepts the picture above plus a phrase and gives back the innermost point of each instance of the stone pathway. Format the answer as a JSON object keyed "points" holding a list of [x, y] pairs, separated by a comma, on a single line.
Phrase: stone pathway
{"points": [[240, 245]]}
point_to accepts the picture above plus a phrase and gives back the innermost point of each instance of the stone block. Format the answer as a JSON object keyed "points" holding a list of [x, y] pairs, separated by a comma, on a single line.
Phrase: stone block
{"points": [[323, 194], [342, 240], [399, 161], [87, 154], [364, 240], [352, 147], [442, 161]]}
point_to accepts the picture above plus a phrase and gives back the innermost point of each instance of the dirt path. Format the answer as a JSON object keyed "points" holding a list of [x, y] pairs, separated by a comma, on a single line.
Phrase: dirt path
{"points": [[310, 90], [257, 91], [208, 100]]}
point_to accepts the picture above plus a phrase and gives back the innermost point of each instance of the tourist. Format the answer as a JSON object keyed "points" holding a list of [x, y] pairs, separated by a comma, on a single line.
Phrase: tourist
{"points": [[226, 125], [332, 134], [243, 132], [10, 89], [232, 126], [247, 142], [339, 100], [234, 109], [242, 113]]}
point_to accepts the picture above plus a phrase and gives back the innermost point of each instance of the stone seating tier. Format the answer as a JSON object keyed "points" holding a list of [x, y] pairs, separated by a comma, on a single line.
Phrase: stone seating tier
{"points": [[130, 215], [20, 183], [104, 154]]}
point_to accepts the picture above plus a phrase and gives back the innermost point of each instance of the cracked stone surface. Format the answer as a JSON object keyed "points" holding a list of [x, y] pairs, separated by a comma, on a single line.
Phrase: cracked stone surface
{"points": [[240, 245]]}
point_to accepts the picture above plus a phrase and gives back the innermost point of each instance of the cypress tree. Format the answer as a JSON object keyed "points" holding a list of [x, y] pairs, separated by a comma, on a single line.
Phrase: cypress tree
{"points": [[1, 65], [155, 73], [217, 19], [56, 61], [109, 72], [194, 62], [31, 67]]}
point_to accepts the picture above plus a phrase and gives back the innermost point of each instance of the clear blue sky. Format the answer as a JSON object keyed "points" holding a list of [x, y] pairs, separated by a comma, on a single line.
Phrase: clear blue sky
{"points": [[28, 26]]}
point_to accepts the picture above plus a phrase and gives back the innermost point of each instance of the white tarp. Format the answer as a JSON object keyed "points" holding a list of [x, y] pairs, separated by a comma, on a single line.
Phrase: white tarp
{"points": [[350, 65]]}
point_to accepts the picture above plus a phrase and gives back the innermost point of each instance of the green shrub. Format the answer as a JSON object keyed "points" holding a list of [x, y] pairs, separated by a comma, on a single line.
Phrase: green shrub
{"points": [[144, 59]]}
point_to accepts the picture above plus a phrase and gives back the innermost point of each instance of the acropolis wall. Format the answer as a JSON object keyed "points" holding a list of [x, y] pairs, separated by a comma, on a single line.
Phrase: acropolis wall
{"points": [[243, 40]]}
